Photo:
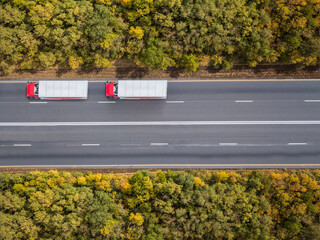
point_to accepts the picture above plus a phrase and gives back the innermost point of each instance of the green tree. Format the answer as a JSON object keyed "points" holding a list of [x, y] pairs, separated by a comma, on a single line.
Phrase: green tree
{"points": [[155, 57], [47, 59], [190, 62]]}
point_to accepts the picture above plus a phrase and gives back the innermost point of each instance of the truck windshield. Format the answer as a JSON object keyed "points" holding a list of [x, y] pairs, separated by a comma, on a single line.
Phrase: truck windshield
{"points": [[36, 88], [115, 89]]}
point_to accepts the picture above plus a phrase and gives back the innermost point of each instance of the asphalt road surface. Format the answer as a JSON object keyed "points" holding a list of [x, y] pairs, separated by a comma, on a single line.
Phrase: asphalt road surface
{"points": [[201, 124]]}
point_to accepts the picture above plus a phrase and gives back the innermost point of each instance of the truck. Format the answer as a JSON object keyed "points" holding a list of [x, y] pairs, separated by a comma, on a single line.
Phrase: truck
{"points": [[137, 89], [57, 90]]}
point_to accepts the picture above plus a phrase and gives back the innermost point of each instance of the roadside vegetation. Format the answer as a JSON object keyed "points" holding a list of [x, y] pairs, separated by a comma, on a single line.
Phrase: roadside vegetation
{"points": [[195, 204], [158, 34]]}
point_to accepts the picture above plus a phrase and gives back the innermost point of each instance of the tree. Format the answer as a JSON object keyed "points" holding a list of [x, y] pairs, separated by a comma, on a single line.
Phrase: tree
{"points": [[190, 62], [47, 59], [155, 57]]}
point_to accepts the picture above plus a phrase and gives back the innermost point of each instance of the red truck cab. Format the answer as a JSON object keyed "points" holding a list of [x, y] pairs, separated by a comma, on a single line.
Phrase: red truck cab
{"points": [[112, 90], [32, 90]]}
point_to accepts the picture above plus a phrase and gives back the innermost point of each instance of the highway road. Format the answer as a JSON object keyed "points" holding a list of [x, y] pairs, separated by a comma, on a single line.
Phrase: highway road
{"points": [[201, 124]]}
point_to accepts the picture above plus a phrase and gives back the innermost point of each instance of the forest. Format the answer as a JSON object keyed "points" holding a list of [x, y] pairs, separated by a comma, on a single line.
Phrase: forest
{"points": [[192, 204], [90, 34]]}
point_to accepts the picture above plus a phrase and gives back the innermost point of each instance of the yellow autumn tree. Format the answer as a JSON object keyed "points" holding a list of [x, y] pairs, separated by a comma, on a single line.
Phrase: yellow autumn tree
{"points": [[82, 180], [125, 187], [126, 3], [198, 182], [136, 218], [222, 176], [75, 62], [105, 2], [136, 32]]}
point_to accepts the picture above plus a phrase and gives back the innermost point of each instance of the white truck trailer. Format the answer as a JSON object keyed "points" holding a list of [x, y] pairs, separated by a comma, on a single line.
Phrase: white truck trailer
{"points": [[57, 90], [137, 89]]}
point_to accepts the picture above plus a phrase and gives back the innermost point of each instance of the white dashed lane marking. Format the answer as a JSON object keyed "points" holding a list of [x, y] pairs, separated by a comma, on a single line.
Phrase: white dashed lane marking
{"points": [[311, 100], [244, 101], [175, 101], [159, 144], [297, 143], [228, 144]]}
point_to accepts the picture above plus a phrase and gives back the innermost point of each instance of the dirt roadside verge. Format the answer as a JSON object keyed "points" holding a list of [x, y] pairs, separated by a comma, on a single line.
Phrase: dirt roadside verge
{"points": [[125, 69]]}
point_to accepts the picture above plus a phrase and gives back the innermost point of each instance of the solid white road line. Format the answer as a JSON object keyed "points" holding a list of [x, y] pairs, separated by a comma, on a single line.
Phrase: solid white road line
{"points": [[22, 145], [159, 144], [244, 101], [228, 144], [38, 102], [297, 143], [106, 102], [311, 100], [158, 123], [90, 144], [175, 101]]}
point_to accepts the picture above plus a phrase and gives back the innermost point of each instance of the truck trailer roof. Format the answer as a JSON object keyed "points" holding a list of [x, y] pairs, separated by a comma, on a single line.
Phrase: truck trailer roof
{"points": [[63, 89], [148, 89]]}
